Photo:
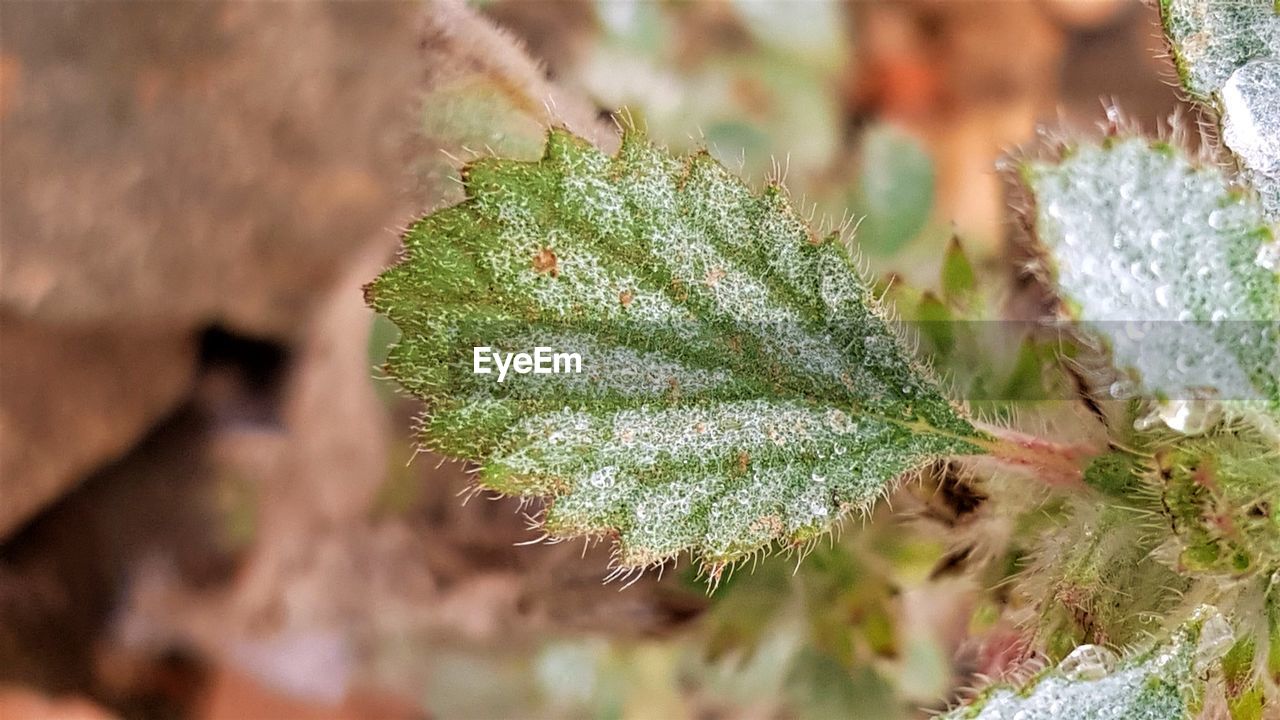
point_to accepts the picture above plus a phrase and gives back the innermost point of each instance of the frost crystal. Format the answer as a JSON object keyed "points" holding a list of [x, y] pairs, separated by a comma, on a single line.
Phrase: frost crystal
{"points": [[740, 384]]}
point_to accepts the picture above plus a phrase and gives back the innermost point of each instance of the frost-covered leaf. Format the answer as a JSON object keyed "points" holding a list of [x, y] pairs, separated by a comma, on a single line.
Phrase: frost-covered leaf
{"points": [[739, 383], [1211, 39], [1163, 258], [1228, 57], [1251, 126], [1164, 683]]}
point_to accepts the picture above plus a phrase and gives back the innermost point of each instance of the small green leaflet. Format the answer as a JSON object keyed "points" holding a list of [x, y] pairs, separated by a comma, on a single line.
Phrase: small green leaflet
{"points": [[740, 384], [1164, 259]]}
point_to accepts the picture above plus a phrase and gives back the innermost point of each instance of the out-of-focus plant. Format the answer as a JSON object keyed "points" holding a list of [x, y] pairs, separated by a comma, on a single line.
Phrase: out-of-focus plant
{"points": [[744, 388], [760, 86]]}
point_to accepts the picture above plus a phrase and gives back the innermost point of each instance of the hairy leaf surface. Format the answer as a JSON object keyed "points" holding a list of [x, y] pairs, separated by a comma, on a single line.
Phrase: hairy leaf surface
{"points": [[1211, 39], [1228, 57], [739, 383]]}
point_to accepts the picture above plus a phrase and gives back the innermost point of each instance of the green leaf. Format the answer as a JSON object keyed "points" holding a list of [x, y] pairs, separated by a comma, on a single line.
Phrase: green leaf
{"points": [[896, 188], [1228, 57], [1163, 683], [1161, 257], [959, 280], [1114, 473], [1246, 699], [739, 382], [1218, 495], [1025, 380], [936, 323], [1094, 578]]}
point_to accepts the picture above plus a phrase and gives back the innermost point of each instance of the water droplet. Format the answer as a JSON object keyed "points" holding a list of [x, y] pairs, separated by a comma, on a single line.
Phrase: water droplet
{"points": [[1122, 389], [1190, 417], [1159, 239], [1148, 421], [1216, 638], [1088, 662], [1135, 331], [1139, 271], [1269, 256], [1162, 295], [1218, 219]]}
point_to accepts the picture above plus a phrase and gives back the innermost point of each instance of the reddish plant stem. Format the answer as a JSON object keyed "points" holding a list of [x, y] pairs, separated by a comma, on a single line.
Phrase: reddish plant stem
{"points": [[1057, 464]]}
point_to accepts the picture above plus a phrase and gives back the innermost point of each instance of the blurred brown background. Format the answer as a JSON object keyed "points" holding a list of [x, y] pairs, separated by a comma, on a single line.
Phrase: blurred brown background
{"points": [[207, 504]]}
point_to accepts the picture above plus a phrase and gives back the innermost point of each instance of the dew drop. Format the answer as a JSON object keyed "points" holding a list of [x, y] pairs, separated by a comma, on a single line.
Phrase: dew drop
{"points": [[1088, 662], [1162, 295], [1269, 256], [1216, 638], [1148, 421], [1113, 115], [1122, 389], [1190, 417]]}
